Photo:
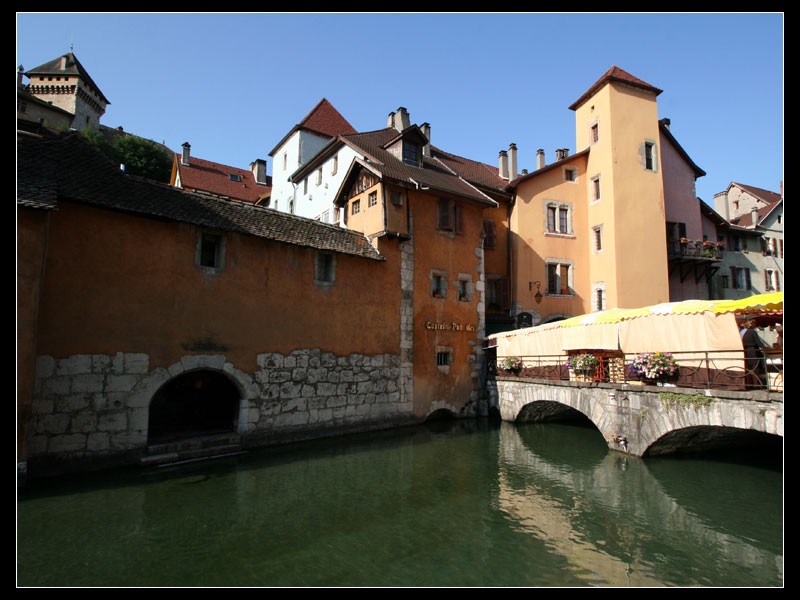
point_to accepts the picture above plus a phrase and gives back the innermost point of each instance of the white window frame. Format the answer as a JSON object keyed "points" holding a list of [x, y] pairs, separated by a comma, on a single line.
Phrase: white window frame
{"points": [[600, 287], [558, 207], [654, 147]]}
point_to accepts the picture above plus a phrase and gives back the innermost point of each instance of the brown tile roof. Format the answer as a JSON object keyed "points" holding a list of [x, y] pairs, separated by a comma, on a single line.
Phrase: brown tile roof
{"points": [[78, 172], [761, 194], [477, 173], [211, 177], [72, 67], [746, 220], [324, 120], [618, 75], [433, 174]]}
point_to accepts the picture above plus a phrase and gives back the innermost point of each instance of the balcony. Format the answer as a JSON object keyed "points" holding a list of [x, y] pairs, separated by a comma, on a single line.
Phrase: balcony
{"points": [[697, 259]]}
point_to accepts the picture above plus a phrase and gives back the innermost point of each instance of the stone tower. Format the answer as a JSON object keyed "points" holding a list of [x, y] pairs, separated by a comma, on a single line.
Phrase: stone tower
{"points": [[63, 82]]}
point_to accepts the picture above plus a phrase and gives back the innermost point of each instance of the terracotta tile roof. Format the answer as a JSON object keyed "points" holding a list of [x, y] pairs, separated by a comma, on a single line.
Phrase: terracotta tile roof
{"points": [[324, 120], [761, 194], [214, 178], [615, 74], [78, 172], [72, 67], [746, 220], [433, 174], [477, 173]]}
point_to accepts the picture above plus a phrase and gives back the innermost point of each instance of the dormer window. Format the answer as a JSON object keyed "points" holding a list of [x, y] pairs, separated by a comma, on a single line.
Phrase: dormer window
{"points": [[234, 177], [411, 154]]}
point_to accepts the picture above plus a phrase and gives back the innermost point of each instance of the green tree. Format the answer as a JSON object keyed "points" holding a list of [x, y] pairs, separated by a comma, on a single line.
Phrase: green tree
{"points": [[140, 156]]}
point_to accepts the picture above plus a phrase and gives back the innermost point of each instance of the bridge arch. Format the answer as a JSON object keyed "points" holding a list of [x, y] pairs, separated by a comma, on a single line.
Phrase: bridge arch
{"points": [[705, 438]]}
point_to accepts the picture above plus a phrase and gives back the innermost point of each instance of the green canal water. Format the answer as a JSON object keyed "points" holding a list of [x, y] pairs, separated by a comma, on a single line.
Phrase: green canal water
{"points": [[465, 503]]}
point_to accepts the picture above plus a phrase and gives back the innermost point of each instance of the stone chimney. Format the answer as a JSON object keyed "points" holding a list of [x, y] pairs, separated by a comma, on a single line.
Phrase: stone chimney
{"points": [[185, 155], [561, 153], [754, 216], [63, 63], [259, 169], [540, 159], [666, 122], [503, 164], [20, 71], [524, 172], [512, 161], [399, 119], [426, 129]]}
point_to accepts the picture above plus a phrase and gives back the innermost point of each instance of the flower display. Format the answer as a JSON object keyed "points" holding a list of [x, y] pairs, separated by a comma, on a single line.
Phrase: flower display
{"points": [[654, 365], [511, 363], [583, 362]]}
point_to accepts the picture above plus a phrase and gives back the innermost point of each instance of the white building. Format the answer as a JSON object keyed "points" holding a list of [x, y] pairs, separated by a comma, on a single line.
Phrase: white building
{"points": [[311, 198]]}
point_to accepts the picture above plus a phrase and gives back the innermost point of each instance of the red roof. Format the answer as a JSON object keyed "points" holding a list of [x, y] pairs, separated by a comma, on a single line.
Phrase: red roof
{"points": [[214, 178], [760, 193], [619, 75], [324, 120], [746, 220]]}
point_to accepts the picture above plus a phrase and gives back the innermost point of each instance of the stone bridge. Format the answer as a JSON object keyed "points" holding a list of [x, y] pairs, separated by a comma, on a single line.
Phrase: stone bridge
{"points": [[644, 419]]}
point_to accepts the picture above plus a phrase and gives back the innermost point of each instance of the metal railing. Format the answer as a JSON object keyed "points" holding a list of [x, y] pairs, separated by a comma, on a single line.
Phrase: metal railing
{"points": [[695, 250], [720, 370]]}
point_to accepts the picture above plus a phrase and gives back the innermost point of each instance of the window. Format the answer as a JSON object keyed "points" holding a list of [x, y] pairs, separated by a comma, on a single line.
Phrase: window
{"points": [[356, 208], [734, 242], [726, 281], [558, 219], [284, 161], [210, 251], [769, 246], [305, 186], [597, 237], [496, 293], [735, 205], [334, 164], [442, 359], [489, 235], [438, 284], [325, 217], [464, 288], [595, 187], [319, 176], [291, 206], [324, 268], [594, 133], [780, 246], [450, 216], [771, 281], [649, 156], [411, 154], [234, 177], [397, 198], [740, 277], [599, 299], [372, 199], [570, 174], [558, 278]]}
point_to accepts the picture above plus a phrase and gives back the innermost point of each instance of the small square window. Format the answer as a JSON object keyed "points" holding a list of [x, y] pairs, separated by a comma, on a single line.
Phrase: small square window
{"points": [[443, 359], [324, 268], [372, 199], [463, 290], [397, 198], [356, 208], [235, 177], [438, 285], [210, 251], [570, 174]]}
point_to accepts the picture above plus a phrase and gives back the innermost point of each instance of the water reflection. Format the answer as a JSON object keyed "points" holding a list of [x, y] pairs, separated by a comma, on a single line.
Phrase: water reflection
{"points": [[614, 522], [464, 503]]}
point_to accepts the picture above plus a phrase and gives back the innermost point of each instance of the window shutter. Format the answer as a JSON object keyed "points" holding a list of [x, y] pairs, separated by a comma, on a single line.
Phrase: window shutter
{"points": [[502, 293], [780, 246], [763, 246], [458, 215], [767, 281], [444, 214]]}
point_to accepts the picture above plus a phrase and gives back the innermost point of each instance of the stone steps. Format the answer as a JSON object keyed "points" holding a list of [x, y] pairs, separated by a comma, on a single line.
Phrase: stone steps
{"points": [[193, 449]]}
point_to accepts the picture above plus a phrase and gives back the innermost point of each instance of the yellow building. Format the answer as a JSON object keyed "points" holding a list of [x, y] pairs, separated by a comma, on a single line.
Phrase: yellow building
{"points": [[589, 228]]}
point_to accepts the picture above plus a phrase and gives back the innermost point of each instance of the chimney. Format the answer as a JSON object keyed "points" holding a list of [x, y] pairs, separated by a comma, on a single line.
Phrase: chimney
{"points": [[781, 189], [503, 164], [402, 120], [259, 169], [390, 120], [185, 156], [754, 216], [666, 122], [63, 63], [540, 159], [20, 71], [561, 153], [426, 129], [512, 161], [524, 172]]}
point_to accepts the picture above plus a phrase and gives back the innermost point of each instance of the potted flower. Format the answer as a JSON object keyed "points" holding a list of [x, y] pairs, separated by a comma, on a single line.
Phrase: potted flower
{"points": [[684, 240], [511, 364], [708, 244], [583, 365], [656, 367]]}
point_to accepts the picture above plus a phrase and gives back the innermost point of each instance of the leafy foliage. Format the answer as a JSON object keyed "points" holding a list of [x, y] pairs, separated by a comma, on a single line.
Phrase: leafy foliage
{"points": [[140, 156]]}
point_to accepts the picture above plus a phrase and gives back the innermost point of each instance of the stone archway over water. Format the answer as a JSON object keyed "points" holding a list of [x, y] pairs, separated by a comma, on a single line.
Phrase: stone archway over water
{"points": [[195, 403]]}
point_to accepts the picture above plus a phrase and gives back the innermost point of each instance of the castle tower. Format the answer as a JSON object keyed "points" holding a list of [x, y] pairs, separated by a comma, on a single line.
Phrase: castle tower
{"points": [[64, 83]]}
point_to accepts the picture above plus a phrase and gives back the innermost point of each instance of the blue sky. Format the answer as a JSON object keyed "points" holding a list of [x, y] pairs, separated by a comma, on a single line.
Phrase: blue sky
{"points": [[234, 84]]}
